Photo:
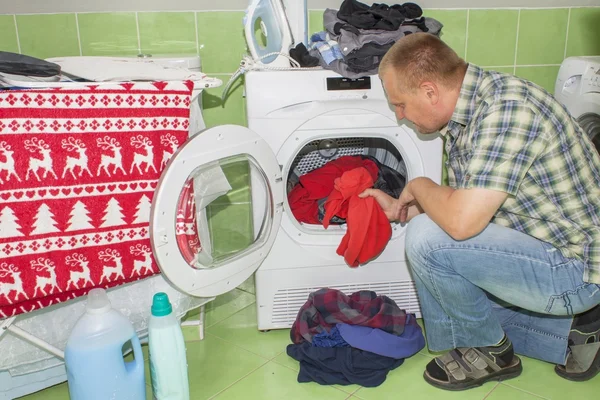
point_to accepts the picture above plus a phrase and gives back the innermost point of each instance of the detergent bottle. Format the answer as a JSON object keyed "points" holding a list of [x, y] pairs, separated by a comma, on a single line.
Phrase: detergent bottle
{"points": [[94, 360], [168, 364]]}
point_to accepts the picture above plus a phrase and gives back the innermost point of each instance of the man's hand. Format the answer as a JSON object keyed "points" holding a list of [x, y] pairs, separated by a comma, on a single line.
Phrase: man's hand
{"points": [[402, 209]]}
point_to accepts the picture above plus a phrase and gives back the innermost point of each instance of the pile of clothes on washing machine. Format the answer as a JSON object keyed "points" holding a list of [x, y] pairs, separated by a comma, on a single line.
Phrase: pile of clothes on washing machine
{"points": [[329, 195], [357, 36], [356, 339]]}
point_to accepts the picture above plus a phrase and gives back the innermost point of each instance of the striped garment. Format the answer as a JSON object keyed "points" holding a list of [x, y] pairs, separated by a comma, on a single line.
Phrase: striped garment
{"points": [[510, 135], [327, 307]]}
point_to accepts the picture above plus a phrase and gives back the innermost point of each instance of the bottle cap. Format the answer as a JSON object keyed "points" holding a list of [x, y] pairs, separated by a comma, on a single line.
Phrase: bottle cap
{"points": [[97, 301], [161, 305]]}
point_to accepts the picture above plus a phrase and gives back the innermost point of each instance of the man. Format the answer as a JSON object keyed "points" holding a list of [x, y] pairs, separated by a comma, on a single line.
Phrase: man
{"points": [[509, 253]]}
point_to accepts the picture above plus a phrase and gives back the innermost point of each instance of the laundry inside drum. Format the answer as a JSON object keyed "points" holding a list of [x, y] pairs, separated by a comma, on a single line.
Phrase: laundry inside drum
{"points": [[316, 166]]}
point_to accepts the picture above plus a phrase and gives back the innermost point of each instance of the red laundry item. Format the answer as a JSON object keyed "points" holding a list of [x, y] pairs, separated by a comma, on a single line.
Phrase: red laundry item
{"points": [[319, 183], [368, 228]]}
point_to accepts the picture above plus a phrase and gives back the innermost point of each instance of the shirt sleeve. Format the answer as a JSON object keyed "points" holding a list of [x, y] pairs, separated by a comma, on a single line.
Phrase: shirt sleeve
{"points": [[506, 142]]}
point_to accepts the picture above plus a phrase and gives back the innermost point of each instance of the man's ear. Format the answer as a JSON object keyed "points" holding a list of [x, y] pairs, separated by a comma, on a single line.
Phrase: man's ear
{"points": [[431, 91]]}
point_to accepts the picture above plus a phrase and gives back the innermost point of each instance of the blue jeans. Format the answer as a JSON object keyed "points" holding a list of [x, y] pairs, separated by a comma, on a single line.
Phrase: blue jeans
{"points": [[500, 281]]}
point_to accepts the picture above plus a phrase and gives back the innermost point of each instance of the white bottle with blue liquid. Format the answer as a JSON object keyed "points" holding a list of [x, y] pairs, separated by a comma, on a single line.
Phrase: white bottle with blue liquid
{"points": [[168, 364], [96, 369]]}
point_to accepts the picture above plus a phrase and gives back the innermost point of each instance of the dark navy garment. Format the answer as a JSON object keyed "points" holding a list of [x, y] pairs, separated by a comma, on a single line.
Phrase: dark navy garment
{"points": [[341, 365]]}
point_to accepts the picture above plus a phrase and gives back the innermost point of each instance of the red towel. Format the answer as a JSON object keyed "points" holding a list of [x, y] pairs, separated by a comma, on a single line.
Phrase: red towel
{"points": [[318, 184], [368, 228], [78, 169]]}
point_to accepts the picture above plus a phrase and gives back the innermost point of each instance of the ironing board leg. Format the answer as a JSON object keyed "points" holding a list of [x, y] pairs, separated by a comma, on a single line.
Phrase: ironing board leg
{"points": [[199, 323], [201, 319]]}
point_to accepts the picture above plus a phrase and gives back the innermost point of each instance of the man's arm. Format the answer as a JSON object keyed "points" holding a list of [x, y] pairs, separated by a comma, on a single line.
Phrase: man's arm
{"points": [[462, 213]]}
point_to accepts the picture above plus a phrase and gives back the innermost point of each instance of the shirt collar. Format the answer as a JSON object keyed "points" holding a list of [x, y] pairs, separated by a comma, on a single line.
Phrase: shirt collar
{"points": [[466, 104]]}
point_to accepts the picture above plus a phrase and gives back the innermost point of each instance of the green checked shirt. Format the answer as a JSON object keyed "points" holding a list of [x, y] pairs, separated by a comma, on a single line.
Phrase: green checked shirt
{"points": [[511, 135]]}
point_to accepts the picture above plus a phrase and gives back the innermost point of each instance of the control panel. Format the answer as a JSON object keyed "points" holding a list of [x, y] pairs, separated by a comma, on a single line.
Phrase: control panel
{"points": [[591, 79]]}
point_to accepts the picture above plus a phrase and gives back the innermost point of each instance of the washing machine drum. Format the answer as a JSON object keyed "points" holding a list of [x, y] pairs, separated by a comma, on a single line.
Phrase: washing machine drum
{"points": [[590, 123]]}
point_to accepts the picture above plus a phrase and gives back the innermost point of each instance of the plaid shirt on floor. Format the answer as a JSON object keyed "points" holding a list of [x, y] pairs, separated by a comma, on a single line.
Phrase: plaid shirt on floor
{"points": [[510, 135], [326, 307]]}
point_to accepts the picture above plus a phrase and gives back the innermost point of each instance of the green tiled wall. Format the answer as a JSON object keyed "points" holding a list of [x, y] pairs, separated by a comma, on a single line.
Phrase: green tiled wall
{"points": [[527, 42]]}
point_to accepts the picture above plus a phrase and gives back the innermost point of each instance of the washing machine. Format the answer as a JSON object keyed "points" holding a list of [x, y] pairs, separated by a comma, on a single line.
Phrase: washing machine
{"points": [[578, 89], [297, 121]]}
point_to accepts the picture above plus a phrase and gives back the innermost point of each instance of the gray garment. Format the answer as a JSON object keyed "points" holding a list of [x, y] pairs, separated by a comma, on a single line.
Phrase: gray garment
{"points": [[350, 41], [341, 67]]}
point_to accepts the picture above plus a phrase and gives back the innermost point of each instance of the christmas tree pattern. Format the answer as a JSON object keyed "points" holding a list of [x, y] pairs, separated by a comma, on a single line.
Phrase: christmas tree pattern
{"points": [[143, 210], [79, 218], [8, 224], [113, 215], [44, 221]]}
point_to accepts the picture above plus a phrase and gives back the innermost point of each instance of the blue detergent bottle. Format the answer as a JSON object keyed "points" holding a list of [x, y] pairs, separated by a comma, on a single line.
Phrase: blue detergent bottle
{"points": [[96, 369]]}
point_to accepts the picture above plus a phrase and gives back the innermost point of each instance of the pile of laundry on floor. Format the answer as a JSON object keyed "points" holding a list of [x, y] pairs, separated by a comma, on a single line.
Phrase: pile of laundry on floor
{"points": [[329, 195], [356, 339], [357, 36]]}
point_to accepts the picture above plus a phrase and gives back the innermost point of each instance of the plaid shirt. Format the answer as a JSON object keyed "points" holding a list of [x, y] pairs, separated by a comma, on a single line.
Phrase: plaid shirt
{"points": [[327, 307], [510, 135]]}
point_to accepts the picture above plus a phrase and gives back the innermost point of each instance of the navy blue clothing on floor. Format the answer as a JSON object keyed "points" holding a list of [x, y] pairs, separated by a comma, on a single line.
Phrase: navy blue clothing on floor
{"points": [[329, 339], [379, 342], [341, 365]]}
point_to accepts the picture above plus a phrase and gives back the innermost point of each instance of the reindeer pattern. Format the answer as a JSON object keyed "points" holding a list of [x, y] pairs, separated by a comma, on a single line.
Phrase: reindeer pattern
{"points": [[108, 156], [81, 270]]}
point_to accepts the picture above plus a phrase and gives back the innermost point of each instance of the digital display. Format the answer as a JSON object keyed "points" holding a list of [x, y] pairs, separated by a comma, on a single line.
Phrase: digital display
{"points": [[349, 84]]}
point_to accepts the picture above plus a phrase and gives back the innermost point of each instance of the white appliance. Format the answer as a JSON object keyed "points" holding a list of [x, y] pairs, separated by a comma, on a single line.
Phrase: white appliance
{"points": [[272, 27], [298, 121], [578, 89]]}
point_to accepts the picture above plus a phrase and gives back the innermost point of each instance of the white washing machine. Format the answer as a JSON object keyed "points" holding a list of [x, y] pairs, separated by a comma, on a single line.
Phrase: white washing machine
{"points": [[298, 121], [578, 89]]}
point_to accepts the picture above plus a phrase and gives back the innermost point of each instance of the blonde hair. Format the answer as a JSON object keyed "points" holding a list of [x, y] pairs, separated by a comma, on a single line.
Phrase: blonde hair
{"points": [[421, 57]]}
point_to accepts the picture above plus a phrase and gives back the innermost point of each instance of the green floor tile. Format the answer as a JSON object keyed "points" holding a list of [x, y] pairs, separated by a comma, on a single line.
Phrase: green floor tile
{"points": [[223, 306], [539, 377], [287, 361], [241, 329], [214, 364], [190, 333], [248, 285], [502, 392], [407, 379], [272, 381]]}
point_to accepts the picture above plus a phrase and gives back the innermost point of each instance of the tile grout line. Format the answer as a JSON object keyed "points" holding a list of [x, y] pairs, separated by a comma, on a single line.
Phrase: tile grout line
{"points": [[567, 35], [196, 29], [238, 346], [467, 34], [238, 380], [137, 28], [78, 34], [522, 65], [17, 33], [517, 42], [491, 390], [524, 391]]}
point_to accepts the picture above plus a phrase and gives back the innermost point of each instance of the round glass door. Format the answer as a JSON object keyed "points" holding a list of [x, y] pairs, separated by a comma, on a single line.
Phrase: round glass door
{"points": [[216, 210], [223, 211], [590, 123]]}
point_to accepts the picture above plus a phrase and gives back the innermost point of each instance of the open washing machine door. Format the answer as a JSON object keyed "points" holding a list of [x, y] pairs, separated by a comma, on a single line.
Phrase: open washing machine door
{"points": [[216, 210]]}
